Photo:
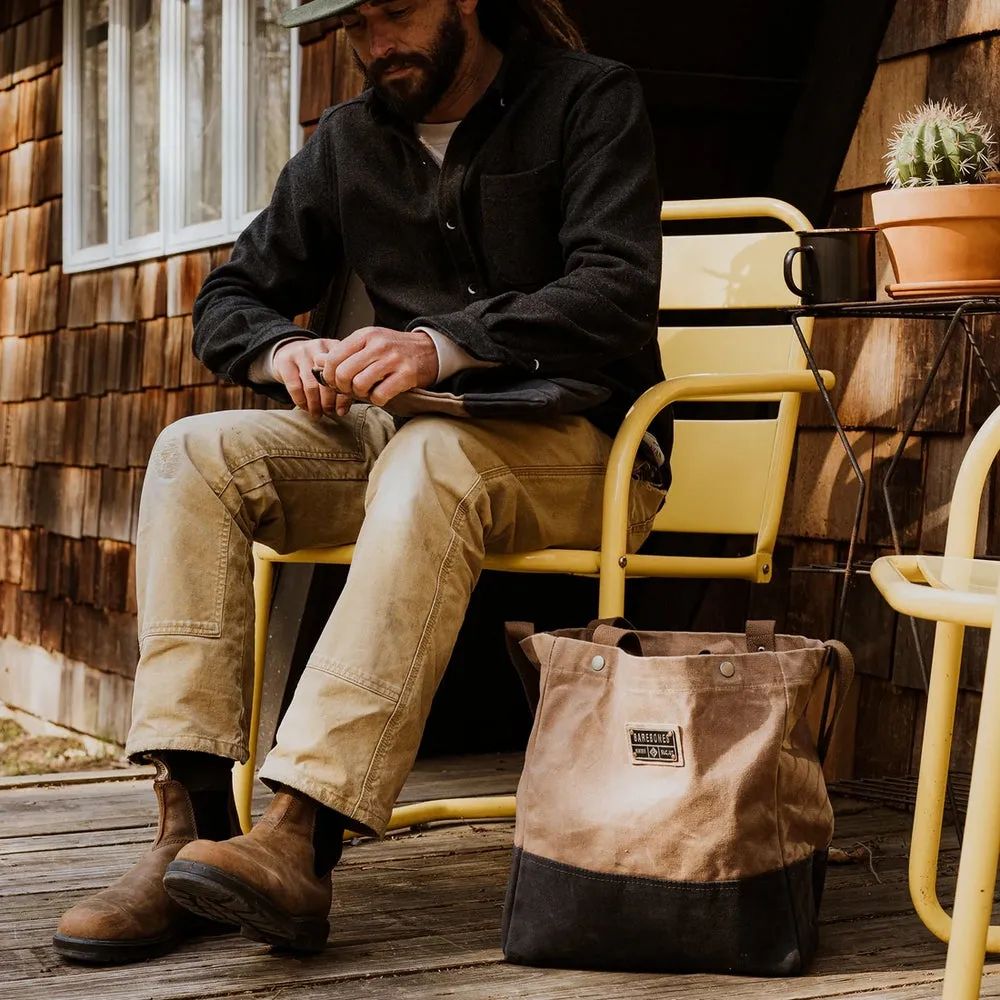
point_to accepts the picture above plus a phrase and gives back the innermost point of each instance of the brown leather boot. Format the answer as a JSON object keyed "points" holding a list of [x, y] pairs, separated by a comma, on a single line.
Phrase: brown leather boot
{"points": [[134, 919], [264, 881]]}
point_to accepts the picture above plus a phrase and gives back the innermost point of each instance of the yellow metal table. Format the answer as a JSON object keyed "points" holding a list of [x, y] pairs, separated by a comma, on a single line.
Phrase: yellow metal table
{"points": [[956, 593]]}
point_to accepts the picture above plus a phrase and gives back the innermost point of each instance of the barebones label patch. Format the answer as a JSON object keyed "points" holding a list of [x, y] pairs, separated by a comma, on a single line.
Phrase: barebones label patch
{"points": [[655, 744]]}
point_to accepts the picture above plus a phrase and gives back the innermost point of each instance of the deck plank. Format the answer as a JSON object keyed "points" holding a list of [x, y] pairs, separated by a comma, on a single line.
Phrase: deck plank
{"points": [[417, 915], [511, 982], [123, 804], [877, 955], [34, 873]]}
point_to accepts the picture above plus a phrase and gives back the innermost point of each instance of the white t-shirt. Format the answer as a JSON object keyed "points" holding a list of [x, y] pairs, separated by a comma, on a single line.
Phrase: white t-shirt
{"points": [[435, 136]]}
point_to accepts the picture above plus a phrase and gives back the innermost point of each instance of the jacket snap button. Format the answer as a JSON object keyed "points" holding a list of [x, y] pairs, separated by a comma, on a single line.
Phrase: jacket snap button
{"points": [[726, 669], [472, 289], [597, 663], [450, 225]]}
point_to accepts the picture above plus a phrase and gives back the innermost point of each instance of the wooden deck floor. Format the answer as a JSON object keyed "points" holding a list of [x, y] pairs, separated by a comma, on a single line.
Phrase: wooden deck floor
{"points": [[416, 916]]}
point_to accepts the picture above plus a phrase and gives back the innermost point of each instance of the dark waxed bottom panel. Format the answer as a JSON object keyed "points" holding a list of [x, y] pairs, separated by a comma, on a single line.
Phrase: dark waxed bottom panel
{"points": [[568, 917]]}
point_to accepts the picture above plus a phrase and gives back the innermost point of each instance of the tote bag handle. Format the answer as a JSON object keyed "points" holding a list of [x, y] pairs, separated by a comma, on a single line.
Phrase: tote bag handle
{"points": [[841, 666], [604, 631]]}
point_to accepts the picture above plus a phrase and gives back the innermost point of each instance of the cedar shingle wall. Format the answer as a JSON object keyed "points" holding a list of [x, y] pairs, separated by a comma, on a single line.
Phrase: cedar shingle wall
{"points": [[92, 367], [934, 49]]}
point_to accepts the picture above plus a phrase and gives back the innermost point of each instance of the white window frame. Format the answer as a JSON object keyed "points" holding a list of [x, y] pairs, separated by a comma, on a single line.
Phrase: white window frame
{"points": [[173, 236]]}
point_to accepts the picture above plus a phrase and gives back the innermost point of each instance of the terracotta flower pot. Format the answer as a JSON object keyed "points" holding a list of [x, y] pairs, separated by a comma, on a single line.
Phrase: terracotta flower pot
{"points": [[942, 240]]}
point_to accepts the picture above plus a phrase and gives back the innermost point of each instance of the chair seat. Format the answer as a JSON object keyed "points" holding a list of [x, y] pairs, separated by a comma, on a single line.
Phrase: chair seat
{"points": [[576, 562], [940, 588], [541, 561]]}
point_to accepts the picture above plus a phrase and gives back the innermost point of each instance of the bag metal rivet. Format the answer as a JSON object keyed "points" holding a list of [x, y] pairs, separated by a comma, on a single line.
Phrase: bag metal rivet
{"points": [[623, 562], [726, 669], [597, 663]]}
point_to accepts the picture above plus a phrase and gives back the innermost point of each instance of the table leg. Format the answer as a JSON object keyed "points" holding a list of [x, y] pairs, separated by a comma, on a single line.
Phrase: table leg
{"points": [[925, 389], [855, 466], [981, 361]]}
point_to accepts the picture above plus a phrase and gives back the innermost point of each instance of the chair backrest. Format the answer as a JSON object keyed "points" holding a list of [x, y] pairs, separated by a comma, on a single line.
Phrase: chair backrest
{"points": [[965, 508], [730, 474]]}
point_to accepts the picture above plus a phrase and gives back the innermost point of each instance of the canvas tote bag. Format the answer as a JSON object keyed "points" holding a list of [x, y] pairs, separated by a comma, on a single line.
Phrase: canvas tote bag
{"points": [[672, 813]]}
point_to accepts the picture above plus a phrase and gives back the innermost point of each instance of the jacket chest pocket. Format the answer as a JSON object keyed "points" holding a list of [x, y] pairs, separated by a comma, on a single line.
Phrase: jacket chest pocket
{"points": [[521, 218]]}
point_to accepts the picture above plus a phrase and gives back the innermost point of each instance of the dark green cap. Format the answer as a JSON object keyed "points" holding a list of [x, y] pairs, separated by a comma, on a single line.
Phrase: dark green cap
{"points": [[316, 10]]}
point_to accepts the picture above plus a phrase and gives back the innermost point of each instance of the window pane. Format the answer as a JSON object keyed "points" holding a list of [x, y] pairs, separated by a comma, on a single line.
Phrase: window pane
{"points": [[94, 110], [203, 112], [144, 126], [269, 99]]}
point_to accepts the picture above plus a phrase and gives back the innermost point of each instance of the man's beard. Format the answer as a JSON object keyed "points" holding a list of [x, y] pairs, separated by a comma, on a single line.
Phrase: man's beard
{"points": [[415, 95]]}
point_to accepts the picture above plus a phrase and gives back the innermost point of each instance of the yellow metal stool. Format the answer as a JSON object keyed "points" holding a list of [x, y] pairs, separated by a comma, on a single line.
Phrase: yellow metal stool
{"points": [[957, 591]]}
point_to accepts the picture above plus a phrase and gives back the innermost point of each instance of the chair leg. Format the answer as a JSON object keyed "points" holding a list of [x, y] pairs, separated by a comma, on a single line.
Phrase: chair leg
{"points": [[614, 542], [476, 807], [935, 755], [243, 774], [977, 868], [928, 813]]}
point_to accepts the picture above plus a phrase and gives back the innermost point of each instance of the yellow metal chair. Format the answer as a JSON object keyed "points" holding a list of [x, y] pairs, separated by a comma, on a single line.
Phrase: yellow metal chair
{"points": [[957, 591], [729, 476]]}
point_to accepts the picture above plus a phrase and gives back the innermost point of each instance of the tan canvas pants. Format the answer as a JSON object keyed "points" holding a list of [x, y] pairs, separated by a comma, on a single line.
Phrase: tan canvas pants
{"points": [[423, 504]]}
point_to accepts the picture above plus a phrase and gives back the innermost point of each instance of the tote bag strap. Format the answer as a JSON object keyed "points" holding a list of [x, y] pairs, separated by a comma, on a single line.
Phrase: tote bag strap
{"points": [[841, 666], [603, 631], [615, 632], [760, 636], [621, 633], [529, 674]]}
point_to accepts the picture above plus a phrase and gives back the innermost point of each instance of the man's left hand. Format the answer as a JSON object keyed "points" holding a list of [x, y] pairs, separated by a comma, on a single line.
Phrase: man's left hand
{"points": [[377, 364]]}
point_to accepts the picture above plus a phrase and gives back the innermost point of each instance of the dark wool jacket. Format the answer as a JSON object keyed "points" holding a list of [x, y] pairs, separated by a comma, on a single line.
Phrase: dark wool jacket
{"points": [[535, 245]]}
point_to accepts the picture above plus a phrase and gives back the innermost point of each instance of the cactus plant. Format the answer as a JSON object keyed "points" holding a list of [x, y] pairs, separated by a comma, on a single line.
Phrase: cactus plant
{"points": [[939, 143]]}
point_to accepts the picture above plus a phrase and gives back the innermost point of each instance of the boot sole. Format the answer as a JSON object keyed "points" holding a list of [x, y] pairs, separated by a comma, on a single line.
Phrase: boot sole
{"points": [[213, 893], [97, 951], [107, 951]]}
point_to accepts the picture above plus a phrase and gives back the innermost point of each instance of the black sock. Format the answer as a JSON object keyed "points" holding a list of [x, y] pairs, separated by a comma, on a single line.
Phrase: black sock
{"points": [[208, 780], [328, 838]]}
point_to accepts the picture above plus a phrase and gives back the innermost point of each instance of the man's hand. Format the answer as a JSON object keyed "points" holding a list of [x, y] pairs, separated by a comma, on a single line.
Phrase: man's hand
{"points": [[293, 366], [377, 364]]}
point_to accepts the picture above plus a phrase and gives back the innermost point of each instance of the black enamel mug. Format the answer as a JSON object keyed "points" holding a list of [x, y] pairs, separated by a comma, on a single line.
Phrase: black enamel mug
{"points": [[838, 265]]}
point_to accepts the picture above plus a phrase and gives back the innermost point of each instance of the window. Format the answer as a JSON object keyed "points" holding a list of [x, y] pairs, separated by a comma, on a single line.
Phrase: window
{"points": [[179, 115]]}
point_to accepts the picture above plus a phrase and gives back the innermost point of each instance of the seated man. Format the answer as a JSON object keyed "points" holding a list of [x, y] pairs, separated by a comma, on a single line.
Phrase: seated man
{"points": [[494, 189]]}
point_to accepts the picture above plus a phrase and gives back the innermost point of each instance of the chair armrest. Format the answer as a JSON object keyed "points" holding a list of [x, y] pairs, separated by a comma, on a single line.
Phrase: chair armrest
{"points": [[688, 387], [614, 528]]}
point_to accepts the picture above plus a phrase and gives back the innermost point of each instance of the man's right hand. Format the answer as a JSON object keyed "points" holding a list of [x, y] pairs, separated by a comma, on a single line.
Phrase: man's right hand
{"points": [[293, 366]]}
